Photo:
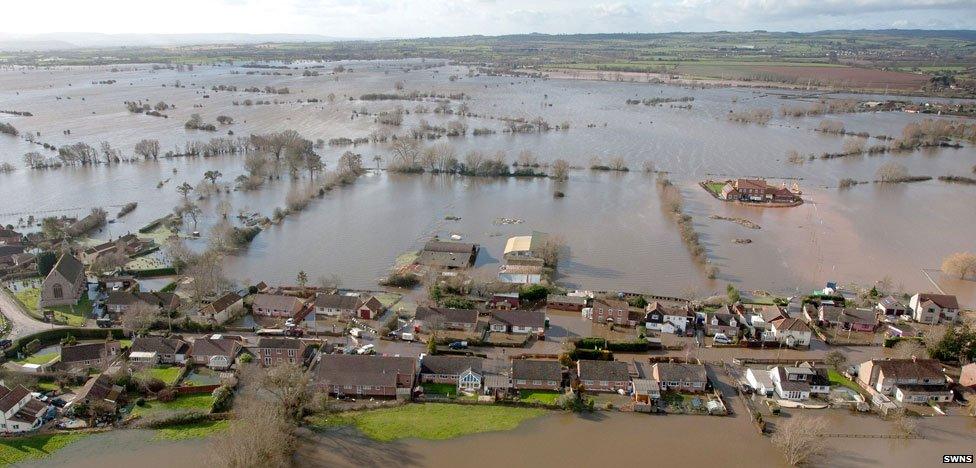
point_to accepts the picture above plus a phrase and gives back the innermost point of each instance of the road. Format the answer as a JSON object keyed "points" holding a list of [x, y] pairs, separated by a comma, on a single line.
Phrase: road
{"points": [[21, 323]]}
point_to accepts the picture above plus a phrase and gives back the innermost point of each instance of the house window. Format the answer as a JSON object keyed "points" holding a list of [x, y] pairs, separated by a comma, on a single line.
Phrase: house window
{"points": [[58, 291], [267, 360], [291, 353]]}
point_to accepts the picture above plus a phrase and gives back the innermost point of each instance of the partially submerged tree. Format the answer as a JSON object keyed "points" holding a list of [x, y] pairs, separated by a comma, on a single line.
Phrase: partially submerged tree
{"points": [[960, 265], [800, 438]]}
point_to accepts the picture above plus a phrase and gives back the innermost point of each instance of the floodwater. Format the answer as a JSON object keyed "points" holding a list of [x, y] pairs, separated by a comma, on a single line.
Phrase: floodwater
{"points": [[613, 224], [600, 439]]}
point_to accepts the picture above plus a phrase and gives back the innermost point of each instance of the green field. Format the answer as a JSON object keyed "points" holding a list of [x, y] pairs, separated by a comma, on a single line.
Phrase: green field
{"points": [[430, 421], [167, 374], [715, 187], [836, 378], [20, 449], [74, 316], [532, 396], [191, 431], [43, 358], [199, 402]]}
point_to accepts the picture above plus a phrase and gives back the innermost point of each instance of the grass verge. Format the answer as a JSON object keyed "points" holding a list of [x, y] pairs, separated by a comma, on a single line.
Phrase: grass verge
{"points": [[200, 402], [34, 447]]}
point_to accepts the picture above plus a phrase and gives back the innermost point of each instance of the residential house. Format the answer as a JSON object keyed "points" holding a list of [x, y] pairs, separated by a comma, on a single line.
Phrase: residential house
{"points": [[276, 305], [908, 380], [428, 318], [359, 376], [517, 321], [88, 355], [119, 302], [10, 237], [337, 305], [615, 311], [564, 302], [721, 322], [861, 320], [271, 351], [65, 283], [675, 320], [792, 382], [504, 301], [98, 388], [756, 190], [127, 245], [603, 376], [891, 307], [223, 309], [450, 255], [19, 411], [164, 350], [762, 317], [530, 374], [370, 308], [525, 250], [215, 352], [934, 308], [680, 377], [761, 381], [462, 371], [791, 332]]}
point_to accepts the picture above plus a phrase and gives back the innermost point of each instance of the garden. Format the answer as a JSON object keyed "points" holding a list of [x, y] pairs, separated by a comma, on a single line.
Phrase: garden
{"points": [[539, 396], [169, 375], [432, 421]]}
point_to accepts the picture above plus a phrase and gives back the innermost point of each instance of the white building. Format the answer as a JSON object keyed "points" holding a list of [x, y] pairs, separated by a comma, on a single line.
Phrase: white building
{"points": [[791, 332], [760, 381], [934, 308], [21, 412]]}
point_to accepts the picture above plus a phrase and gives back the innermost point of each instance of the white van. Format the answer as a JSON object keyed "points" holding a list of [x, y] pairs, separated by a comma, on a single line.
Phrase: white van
{"points": [[356, 332], [720, 338], [366, 349], [406, 336]]}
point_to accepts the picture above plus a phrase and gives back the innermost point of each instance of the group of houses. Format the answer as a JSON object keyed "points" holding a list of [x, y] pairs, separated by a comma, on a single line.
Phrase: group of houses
{"points": [[524, 259], [374, 376], [15, 260], [758, 191], [509, 321]]}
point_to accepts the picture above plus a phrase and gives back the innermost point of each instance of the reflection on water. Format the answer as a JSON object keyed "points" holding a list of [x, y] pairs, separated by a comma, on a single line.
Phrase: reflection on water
{"points": [[612, 223]]}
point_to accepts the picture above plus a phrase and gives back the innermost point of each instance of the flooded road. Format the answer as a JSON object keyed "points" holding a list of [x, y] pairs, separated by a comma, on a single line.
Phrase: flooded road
{"points": [[613, 224]]}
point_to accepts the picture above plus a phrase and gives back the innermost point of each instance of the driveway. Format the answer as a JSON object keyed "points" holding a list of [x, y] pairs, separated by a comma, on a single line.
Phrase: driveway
{"points": [[21, 323]]}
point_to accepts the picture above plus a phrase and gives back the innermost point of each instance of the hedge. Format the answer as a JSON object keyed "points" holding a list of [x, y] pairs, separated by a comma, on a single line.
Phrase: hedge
{"points": [[168, 271], [591, 354], [51, 337], [618, 346]]}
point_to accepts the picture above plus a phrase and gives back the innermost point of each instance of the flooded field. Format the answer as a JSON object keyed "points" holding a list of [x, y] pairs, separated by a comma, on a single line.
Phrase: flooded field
{"points": [[593, 440], [613, 224]]}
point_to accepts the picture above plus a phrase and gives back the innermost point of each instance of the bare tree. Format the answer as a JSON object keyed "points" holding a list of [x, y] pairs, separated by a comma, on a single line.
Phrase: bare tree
{"points": [[148, 148], [551, 250], [836, 360], [907, 349], [560, 169], [288, 384], [961, 265], [139, 317], [891, 172], [800, 438], [241, 446]]}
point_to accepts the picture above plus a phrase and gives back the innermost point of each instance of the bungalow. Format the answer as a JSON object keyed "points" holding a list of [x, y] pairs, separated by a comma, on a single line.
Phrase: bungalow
{"points": [[276, 305], [681, 377], [127, 245], [165, 350], [517, 321], [223, 309], [529, 374], [614, 311], [934, 308], [119, 302], [891, 307], [564, 302], [19, 411], [603, 376], [433, 318], [370, 309], [791, 332], [88, 355], [65, 284], [462, 371], [451, 255], [354, 375], [337, 305], [215, 352], [908, 380], [861, 320], [278, 350]]}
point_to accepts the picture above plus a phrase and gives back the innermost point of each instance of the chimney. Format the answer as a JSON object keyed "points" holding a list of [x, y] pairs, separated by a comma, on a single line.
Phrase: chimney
{"points": [[914, 358]]}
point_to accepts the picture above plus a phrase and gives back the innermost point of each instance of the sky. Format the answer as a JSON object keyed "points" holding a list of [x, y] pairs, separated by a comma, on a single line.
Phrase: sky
{"points": [[432, 18]]}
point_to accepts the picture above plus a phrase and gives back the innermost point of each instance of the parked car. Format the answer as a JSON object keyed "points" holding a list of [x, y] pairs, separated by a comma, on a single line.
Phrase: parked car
{"points": [[59, 402], [458, 345], [405, 336], [5, 343], [356, 332], [720, 338], [366, 349]]}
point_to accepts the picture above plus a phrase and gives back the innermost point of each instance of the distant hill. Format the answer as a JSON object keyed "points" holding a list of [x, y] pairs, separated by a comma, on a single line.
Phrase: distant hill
{"points": [[70, 40]]}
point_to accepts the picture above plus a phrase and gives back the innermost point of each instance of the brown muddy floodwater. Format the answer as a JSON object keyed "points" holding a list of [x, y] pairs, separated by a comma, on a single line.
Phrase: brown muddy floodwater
{"points": [[601, 439], [613, 224]]}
